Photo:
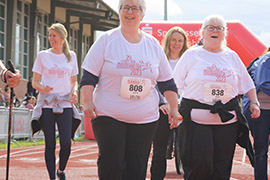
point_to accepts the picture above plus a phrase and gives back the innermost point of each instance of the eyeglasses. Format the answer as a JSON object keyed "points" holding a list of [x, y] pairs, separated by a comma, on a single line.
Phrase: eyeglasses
{"points": [[211, 28], [134, 9]]}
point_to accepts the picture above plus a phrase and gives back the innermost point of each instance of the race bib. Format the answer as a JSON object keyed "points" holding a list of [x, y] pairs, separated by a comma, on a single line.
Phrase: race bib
{"points": [[135, 88], [214, 91]]}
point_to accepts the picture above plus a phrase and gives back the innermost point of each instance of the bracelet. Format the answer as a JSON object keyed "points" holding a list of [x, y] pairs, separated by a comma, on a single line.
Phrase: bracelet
{"points": [[255, 102], [5, 78], [3, 75]]}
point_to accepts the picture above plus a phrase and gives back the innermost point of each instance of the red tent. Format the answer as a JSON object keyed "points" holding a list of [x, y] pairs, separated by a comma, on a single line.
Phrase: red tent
{"points": [[239, 38]]}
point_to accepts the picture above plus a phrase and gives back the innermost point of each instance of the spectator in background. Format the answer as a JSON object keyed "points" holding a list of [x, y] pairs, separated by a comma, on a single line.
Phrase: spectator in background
{"points": [[6, 96], [81, 109], [30, 90], [16, 101], [2, 102], [29, 102]]}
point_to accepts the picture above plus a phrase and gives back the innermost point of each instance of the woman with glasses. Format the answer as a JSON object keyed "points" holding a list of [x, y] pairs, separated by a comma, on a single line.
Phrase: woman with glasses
{"points": [[210, 78], [124, 65]]}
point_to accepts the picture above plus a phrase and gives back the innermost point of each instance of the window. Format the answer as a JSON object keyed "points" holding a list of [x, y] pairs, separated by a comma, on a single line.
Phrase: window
{"points": [[73, 39], [2, 29], [85, 45], [22, 38], [42, 32]]}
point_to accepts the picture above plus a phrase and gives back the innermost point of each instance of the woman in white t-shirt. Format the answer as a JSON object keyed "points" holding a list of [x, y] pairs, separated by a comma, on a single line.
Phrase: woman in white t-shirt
{"points": [[175, 44], [55, 77], [210, 78], [126, 64]]}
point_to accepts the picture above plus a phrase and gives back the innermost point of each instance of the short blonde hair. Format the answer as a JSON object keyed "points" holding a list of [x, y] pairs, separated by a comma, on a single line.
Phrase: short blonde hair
{"points": [[61, 30]]}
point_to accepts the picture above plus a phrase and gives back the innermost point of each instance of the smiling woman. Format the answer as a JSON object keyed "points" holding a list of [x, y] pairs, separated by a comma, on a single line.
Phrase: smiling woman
{"points": [[55, 77], [126, 64], [211, 77]]}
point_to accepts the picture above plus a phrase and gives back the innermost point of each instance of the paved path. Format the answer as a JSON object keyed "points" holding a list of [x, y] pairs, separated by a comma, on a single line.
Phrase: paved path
{"points": [[28, 164]]}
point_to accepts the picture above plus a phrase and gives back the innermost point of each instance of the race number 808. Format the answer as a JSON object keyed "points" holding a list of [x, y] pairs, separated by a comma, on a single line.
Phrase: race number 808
{"points": [[136, 88]]}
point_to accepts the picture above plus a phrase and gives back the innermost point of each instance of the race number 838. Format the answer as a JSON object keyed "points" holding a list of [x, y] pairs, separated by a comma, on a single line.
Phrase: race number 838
{"points": [[217, 92], [214, 91]]}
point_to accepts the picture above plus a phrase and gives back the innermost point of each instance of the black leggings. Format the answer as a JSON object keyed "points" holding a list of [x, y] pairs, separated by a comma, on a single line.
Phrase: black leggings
{"points": [[211, 153], [123, 148], [64, 124], [160, 142]]}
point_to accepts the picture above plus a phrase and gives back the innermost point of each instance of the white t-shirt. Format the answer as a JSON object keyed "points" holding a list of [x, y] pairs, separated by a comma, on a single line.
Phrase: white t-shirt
{"points": [[111, 58], [199, 72], [173, 62], [56, 72]]}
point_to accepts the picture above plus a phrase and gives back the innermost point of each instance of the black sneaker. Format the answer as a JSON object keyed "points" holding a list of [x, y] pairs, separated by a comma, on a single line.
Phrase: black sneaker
{"points": [[61, 176]]}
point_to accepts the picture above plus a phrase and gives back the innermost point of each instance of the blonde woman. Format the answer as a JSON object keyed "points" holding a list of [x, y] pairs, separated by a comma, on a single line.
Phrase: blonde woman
{"points": [[55, 77]]}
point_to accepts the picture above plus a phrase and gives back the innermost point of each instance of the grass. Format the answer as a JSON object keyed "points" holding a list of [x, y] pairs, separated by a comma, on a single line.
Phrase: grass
{"points": [[26, 143]]}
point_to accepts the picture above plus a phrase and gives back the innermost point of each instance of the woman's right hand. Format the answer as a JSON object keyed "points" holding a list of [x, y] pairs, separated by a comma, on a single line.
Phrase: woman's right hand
{"points": [[90, 110], [164, 108]]}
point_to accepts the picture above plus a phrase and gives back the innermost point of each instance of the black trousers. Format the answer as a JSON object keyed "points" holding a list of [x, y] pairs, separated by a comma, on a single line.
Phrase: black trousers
{"points": [[160, 142], [212, 150], [123, 148], [64, 124]]}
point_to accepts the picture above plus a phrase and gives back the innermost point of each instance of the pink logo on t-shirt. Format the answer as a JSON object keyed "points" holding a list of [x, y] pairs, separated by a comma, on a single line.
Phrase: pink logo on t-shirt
{"points": [[221, 75], [136, 68], [55, 70]]}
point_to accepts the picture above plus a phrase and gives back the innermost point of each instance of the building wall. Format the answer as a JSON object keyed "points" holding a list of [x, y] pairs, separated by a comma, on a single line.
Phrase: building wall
{"points": [[44, 5]]}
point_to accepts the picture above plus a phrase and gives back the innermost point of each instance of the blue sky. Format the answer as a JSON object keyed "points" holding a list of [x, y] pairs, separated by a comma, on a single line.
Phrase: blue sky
{"points": [[253, 14]]}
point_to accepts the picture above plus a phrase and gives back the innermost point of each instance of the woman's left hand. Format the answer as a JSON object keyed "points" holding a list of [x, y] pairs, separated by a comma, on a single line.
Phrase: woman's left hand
{"points": [[74, 98], [173, 117], [255, 110]]}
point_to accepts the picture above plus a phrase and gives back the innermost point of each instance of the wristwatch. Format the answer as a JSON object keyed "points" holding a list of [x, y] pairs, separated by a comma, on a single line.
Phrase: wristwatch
{"points": [[255, 102]]}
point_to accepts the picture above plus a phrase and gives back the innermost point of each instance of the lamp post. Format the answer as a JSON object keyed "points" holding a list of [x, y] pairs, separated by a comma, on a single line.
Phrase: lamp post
{"points": [[165, 11]]}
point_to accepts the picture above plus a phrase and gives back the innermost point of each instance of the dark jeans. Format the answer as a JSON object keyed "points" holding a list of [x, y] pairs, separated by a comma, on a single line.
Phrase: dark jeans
{"points": [[212, 150], [160, 142], [260, 130], [123, 148], [64, 124]]}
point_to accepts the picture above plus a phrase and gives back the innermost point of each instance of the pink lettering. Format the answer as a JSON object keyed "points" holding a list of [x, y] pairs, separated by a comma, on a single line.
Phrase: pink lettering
{"points": [[55, 70], [221, 75], [136, 68]]}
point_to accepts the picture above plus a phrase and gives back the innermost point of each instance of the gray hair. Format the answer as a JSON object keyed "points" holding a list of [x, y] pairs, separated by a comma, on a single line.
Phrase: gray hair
{"points": [[216, 18], [141, 2]]}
